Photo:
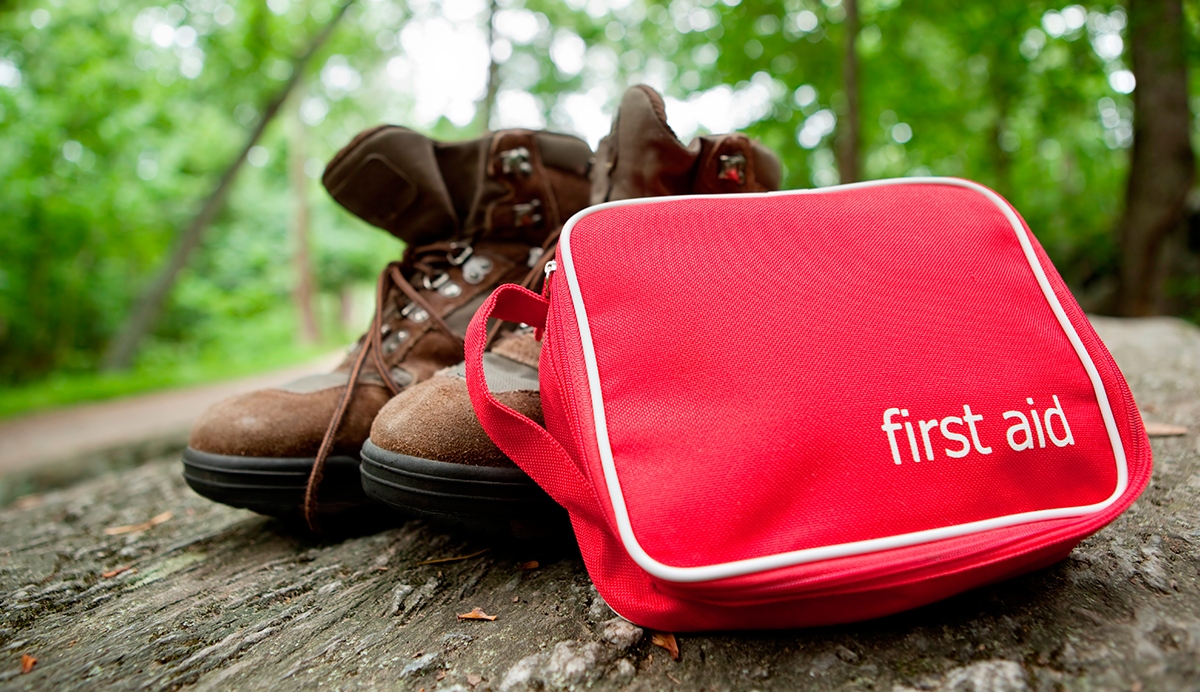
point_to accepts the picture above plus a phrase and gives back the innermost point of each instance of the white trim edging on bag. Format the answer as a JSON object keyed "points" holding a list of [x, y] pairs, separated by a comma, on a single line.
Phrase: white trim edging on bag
{"points": [[798, 557]]}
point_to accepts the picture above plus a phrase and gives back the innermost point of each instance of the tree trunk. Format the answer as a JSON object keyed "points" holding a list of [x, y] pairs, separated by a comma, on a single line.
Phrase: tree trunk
{"points": [[303, 293], [1162, 165], [847, 144], [1001, 158], [145, 312], [493, 82], [346, 307]]}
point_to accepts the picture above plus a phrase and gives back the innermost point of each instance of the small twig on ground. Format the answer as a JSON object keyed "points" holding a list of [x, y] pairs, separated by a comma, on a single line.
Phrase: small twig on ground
{"points": [[454, 559], [130, 528], [1164, 430]]}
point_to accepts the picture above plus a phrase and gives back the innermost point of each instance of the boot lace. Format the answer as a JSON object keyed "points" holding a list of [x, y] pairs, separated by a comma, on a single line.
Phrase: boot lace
{"points": [[423, 265]]}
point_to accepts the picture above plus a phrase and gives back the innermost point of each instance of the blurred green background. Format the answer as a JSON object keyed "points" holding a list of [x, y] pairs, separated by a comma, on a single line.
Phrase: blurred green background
{"points": [[119, 119]]}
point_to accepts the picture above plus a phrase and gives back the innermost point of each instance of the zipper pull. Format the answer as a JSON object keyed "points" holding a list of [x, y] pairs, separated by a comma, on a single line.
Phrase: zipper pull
{"points": [[551, 267]]}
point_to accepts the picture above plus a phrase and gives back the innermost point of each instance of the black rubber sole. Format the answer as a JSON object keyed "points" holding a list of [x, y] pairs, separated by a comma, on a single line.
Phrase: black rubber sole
{"points": [[273, 486], [480, 498]]}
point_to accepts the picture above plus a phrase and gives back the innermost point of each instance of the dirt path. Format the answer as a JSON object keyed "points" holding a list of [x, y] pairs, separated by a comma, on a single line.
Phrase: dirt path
{"points": [[111, 432]]}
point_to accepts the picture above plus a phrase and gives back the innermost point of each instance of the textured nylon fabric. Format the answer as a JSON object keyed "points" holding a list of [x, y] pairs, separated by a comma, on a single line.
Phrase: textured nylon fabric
{"points": [[694, 240], [918, 298]]}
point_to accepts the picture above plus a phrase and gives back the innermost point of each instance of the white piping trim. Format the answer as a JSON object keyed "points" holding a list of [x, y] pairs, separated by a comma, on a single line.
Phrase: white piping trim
{"points": [[798, 557]]}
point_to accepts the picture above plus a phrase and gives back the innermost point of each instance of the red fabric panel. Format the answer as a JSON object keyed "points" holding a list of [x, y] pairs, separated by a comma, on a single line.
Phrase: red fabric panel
{"points": [[749, 381], [747, 349]]}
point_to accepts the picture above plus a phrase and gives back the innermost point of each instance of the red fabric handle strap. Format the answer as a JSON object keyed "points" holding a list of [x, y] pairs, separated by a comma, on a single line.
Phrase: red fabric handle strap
{"points": [[528, 444]]}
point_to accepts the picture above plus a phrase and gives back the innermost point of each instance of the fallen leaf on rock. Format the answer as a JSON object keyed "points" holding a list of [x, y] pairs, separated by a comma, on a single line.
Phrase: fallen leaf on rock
{"points": [[27, 662], [130, 528], [453, 559], [1164, 430], [667, 641], [532, 564], [476, 614], [114, 572], [516, 599], [474, 680]]}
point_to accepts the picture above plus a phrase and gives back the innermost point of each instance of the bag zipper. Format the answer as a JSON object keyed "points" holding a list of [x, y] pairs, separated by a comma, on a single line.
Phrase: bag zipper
{"points": [[551, 267]]}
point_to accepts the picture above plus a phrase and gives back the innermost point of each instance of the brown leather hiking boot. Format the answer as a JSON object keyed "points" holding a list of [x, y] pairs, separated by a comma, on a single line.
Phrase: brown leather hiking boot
{"points": [[427, 453], [475, 215]]}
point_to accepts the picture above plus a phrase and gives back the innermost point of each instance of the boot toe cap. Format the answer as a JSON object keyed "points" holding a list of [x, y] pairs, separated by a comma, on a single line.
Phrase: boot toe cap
{"points": [[434, 420], [285, 424]]}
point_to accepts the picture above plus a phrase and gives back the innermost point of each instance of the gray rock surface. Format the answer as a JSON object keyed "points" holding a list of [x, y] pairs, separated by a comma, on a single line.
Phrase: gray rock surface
{"points": [[214, 598]]}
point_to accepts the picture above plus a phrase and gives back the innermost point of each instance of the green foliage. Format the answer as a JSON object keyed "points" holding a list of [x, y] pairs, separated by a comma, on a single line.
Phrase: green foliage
{"points": [[1010, 94], [110, 142], [116, 120]]}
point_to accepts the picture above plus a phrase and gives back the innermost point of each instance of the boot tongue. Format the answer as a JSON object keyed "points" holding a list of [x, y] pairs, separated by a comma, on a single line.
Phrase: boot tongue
{"points": [[390, 178], [464, 167], [641, 157]]}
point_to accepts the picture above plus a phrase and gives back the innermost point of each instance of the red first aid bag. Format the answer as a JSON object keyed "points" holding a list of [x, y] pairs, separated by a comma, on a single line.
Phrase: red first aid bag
{"points": [[814, 406]]}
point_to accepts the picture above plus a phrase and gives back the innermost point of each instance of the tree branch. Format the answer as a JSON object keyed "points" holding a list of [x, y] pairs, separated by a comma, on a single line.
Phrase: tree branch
{"points": [[122, 349]]}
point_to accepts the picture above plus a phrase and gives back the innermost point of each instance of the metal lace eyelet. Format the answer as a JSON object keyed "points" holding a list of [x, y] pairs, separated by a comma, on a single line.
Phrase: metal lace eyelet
{"points": [[450, 290], [535, 254], [476, 269], [516, 161], [393, 342], [527, 214], [733, 167], [436, 283], [414, 313], [464, 253], [385, 330]]}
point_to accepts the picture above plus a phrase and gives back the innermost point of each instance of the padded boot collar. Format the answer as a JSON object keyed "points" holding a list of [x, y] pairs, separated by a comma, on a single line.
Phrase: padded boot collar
{"points": [[642, 157]]}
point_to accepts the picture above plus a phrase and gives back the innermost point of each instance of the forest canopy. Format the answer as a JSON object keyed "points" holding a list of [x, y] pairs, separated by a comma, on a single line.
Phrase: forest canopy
{"points": [[119, 119]]}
